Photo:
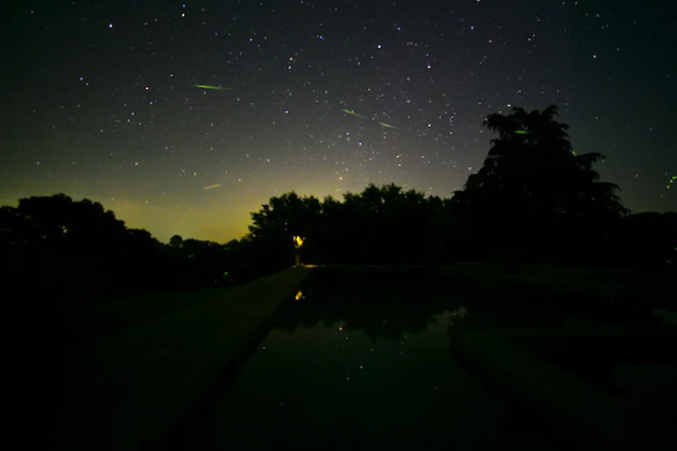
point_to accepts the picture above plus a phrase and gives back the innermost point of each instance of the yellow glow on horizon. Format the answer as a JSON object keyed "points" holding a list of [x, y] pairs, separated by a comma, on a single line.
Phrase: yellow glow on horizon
{"points": [[166, 205], [220, 216]]}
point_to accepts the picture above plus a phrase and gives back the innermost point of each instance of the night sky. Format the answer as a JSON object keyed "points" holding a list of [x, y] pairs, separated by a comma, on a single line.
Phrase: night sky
{"points": [[98, 98]]}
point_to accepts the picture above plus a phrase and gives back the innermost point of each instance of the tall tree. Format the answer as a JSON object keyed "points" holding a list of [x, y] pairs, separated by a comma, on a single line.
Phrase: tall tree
{"points": [[532, 184]]}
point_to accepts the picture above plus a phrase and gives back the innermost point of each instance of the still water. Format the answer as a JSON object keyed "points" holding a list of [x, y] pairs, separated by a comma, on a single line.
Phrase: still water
{"points": [[362, 362]]}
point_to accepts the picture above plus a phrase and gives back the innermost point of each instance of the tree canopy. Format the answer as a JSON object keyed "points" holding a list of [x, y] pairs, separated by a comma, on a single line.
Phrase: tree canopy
{"points": [[533, 185]]}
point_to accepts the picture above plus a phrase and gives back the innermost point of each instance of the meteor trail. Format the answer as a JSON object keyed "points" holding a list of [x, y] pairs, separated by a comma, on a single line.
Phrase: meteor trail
{"points": [[212, 87], [353, 113], [672, 180], [216, 185]]}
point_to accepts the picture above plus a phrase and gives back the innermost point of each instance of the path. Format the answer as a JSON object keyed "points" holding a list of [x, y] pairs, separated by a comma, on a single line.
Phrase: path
{"points": [[140, 386]]}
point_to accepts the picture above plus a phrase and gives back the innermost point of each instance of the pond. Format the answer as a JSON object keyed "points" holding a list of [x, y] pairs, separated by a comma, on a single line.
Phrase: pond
{"points": [[361, 360]]}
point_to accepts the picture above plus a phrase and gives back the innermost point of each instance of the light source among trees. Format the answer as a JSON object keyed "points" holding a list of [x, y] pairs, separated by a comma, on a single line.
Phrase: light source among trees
{"points": [[298, 243]]}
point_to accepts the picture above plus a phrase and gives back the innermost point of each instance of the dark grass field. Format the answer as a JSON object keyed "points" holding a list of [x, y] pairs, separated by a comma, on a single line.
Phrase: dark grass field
{"points": [[94, 319]]}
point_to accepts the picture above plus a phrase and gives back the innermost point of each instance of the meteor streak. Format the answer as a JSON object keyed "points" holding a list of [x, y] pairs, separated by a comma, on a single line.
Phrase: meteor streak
{"points": [[672, 180], [216, 185], [353, 113], [212, 87]]}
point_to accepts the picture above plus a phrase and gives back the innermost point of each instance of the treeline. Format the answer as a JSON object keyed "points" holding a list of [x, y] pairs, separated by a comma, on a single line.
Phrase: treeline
{"points": [[388, 225], [534, 200], [64, 247]]}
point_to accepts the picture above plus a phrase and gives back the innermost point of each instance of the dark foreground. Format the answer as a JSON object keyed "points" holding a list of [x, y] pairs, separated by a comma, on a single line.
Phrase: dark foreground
{"points": [[357, 358], [377, 359]]}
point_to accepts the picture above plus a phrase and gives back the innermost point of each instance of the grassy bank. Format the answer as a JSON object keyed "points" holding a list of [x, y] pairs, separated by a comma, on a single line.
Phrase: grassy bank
{"points": [[93, 319], [146, 364]]}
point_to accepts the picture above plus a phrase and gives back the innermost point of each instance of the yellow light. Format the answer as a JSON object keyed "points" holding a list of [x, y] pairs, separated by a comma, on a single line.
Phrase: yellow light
{"points": [[299, 295], [298, 241]]}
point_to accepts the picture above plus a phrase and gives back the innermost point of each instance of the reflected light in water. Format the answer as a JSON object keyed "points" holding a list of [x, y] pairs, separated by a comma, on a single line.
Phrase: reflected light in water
{"points": [[458, 314]]}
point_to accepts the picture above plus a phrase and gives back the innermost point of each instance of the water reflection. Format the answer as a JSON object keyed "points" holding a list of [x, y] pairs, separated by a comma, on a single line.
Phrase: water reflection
{"points": [[457, 315], [391, 304], [373, 304], [335, 378], [367, 365]]}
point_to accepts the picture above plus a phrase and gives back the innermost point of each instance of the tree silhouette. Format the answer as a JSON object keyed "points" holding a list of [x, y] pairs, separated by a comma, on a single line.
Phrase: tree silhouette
{"points": [[380, 225], [534, 197], [277, 222], [176, 241], [533, 186], [78, 249]]}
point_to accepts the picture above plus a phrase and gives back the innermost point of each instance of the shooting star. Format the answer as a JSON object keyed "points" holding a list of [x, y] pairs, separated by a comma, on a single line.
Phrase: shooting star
{"points": [[521, 132], [672, 180], [212, 87], [216, 185], [353, 113]]}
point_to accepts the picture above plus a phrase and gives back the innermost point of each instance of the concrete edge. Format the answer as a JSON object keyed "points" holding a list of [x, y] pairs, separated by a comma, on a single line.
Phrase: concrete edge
{"points": [[190, 422]]}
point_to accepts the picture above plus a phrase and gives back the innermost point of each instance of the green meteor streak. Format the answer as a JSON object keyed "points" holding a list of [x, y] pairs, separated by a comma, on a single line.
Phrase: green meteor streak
{"points": [[521, 132], [212, 87], [353, 113], [672, 180]]}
